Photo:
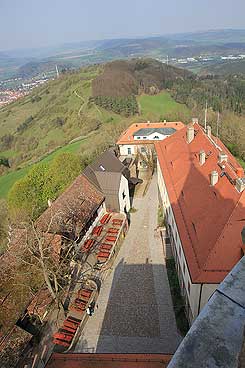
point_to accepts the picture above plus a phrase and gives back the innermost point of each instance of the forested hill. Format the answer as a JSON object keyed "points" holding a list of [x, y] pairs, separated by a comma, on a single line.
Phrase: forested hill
{"points": [[124, 78]]}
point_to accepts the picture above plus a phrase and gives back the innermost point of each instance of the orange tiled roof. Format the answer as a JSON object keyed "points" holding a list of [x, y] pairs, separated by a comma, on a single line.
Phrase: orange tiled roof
{"points": [[127, 136], [209, 218]]}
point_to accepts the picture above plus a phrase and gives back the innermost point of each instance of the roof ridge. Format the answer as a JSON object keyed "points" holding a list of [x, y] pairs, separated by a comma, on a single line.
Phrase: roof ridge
{"points": [[183, 218]]}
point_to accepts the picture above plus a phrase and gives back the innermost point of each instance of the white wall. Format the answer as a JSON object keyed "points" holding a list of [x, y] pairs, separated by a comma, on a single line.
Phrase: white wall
{"points": [[101, 211], [192, 290], [123, 188], [123, 148], [207, 291]]}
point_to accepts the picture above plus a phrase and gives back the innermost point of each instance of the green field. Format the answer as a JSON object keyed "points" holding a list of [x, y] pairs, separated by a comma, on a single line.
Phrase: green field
{"points": [[8, 180], [160, 105]]}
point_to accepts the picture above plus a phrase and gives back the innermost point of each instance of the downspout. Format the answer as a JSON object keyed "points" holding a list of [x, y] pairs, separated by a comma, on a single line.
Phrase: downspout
{"points": [[200, 297]]}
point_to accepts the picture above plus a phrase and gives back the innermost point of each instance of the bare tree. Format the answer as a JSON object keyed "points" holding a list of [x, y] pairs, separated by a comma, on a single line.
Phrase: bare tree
{"points": [[49, 253]]}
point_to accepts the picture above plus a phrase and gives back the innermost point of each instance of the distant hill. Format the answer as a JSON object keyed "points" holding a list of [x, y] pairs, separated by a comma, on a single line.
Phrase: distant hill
{"points": [[125, 78], [231, 67], [77, 54]]}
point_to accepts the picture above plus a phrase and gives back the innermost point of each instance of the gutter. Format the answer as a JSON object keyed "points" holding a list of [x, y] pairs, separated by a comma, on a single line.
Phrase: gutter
{"points": [[200, 297]]}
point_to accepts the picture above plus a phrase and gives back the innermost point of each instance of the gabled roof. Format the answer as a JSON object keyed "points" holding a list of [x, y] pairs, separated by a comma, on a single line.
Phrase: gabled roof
{"points": [[72, 209], [209, 218], [107, 162], [148, 131], [105, 172], [127, 136]]}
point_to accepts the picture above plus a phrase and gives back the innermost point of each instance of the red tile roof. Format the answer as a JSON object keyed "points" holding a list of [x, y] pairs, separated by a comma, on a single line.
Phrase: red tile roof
{"points": [[209, 218], [108, 360], [72, 209], [127, 136]]}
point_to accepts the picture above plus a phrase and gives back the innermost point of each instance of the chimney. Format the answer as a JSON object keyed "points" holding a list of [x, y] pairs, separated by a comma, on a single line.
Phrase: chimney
{"points": [[240, 185], [240, 172], [190, 134], [214, 177], [202, 157], [194, 121], [209, 131], [223, 157]]}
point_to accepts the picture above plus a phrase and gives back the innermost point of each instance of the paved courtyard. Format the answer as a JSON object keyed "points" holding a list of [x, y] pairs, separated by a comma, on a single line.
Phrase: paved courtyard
{"points": [[135, 312]]}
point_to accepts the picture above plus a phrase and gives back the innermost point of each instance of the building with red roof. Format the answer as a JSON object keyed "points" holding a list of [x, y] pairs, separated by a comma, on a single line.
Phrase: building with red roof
{"points": [[108, 360], [140, 135], [202, 193]]}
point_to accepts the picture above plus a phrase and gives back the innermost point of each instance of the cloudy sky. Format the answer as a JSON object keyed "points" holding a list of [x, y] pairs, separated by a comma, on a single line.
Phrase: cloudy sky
{"points": [[32, 23]]}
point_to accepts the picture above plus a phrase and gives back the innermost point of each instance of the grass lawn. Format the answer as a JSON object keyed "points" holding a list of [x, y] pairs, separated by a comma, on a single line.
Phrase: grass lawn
{"points": [[162, 104], [8, 180]]}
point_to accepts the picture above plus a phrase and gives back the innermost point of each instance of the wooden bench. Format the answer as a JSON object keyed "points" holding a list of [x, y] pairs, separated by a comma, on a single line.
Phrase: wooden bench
{"points": [[105, 219], [105, 246], [63, 336], [67, 330], [73, 319], [70, 324], [88, 244], [76, 308], [103, 256], [110, 238], [97, 230], [113, 230]]}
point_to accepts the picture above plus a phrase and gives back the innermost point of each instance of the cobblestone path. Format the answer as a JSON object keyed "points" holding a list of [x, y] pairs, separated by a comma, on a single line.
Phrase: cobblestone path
{"points": [[135, 312]]}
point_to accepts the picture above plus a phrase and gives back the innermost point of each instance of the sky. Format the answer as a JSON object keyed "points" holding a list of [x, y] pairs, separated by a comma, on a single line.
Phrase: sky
{"points": [[38, 23]]}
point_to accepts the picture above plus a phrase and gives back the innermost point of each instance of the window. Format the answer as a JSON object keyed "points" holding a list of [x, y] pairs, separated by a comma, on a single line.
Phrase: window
{"points": [[183, 268], [144, 137], [123, 194], [189, 287], [138, 137], [129, 151], [156, 137]]}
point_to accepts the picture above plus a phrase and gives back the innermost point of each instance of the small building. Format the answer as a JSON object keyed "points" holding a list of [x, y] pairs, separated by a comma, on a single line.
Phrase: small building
{"points": [[75, 211], [140, 135], [201, 192], [111, 177]]}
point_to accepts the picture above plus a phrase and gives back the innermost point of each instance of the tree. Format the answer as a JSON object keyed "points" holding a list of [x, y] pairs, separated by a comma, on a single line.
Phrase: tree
{"points": [[3, 225], [44, 182]]}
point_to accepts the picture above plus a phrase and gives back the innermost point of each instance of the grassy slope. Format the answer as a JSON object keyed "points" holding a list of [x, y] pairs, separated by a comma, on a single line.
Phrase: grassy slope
{"points": [[159, 105], [58, 99]]}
